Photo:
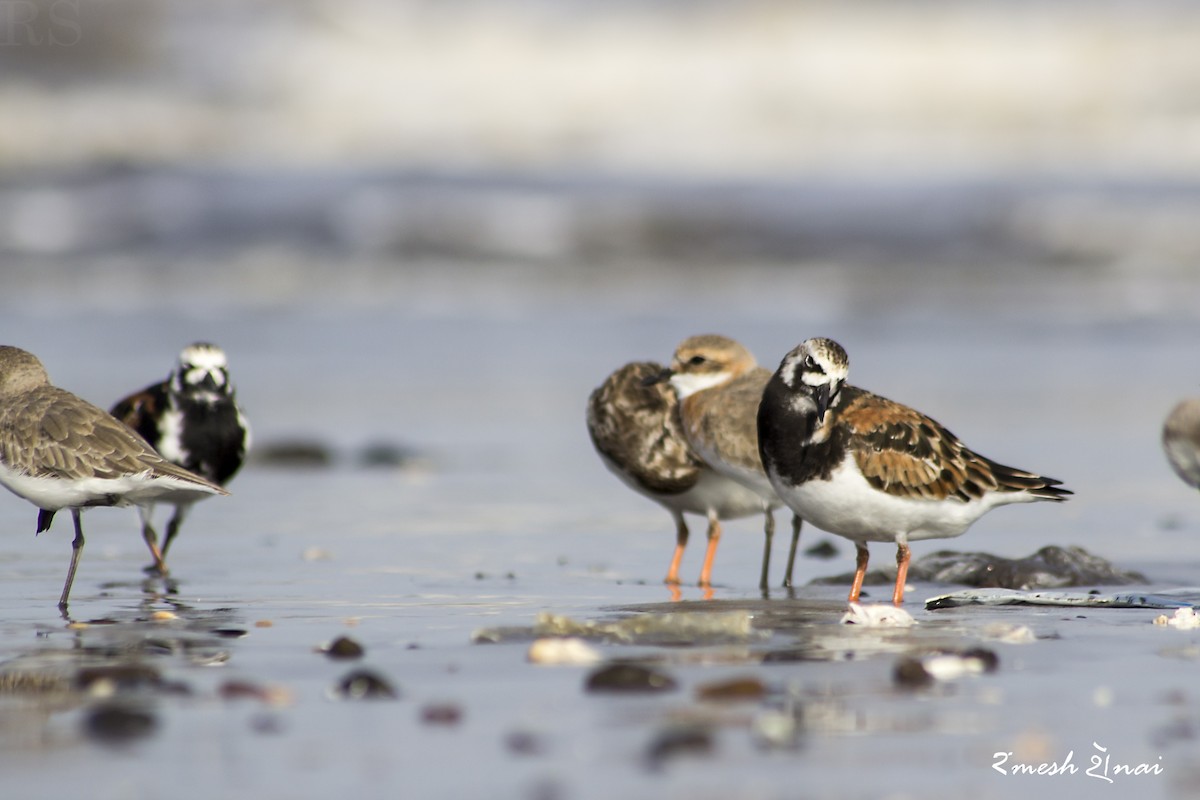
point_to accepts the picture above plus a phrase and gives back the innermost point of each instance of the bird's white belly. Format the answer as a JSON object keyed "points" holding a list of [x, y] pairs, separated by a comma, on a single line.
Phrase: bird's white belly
{"points": [[138, 489], [849, 506], [752, 479], [728, 498]]}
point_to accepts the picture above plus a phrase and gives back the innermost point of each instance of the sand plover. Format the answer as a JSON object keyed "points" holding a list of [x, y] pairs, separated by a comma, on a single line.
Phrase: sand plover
{"points": [[871, 470], [633, 420], [59, 451], [192, 419], [719, 385], [1181, 440]]}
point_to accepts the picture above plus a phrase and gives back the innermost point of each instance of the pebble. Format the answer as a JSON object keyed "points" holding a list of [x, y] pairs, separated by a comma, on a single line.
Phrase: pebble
{"points": [[1184, 619], [675, 742], [775, 729], [364, 685], [912, 672], [441, 714], [557, 651], [822, 549], [244, 690], [343, 647], [114, 723], [733, 690], [629, 678], [878, 615]]}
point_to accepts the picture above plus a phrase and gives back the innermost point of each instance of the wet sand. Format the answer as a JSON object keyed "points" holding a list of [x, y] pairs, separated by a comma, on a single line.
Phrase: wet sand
{"points": [[509, 514]]}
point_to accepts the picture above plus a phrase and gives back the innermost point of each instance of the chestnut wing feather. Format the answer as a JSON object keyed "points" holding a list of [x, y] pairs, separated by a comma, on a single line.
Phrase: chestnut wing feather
{"points": [[905, 453]]}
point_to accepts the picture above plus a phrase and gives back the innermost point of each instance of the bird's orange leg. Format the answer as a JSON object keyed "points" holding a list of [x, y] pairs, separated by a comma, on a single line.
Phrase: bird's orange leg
{"points": [[903, 554], [860, 571], [714, 539]]}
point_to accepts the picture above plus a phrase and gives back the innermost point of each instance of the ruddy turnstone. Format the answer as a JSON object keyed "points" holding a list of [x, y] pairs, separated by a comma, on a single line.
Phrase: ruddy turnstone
{"points": [[59, 451], [192, 419], [719, 385], [869, 469], [633, 420], [1181, 440]]}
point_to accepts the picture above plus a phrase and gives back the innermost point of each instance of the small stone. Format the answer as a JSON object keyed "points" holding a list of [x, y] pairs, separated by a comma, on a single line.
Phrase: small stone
{"points": [[263, 623], [523, 743], [163, 616], [244, 690], [824, 549], [364, 685], [734, 690], [113, 723], [1009, 633], [557, 651], [230, 633], [295, 453], [877, 615], [1184, 619], [344, 647], [775, 729], [910, 673], [679, 741], [629, 678], [441, 714], [316, 554]]}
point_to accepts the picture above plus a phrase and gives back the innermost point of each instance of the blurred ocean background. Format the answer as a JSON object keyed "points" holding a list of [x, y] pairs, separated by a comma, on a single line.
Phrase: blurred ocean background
{"points": [[438, 224]]}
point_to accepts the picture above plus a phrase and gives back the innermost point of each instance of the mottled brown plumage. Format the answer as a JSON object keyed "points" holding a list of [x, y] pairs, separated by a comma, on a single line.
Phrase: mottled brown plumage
{"points": [[53, 433], [906, 454], [634, 421], [1181, 440]]}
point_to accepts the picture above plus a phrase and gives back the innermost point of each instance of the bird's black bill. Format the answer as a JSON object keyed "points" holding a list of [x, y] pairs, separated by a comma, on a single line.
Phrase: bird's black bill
{"points": [[660, 377], [822, 397]]}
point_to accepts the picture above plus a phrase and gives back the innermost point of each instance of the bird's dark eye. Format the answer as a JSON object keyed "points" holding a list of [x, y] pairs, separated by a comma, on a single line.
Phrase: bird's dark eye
{"points": [[809, 362], [696, 361]]}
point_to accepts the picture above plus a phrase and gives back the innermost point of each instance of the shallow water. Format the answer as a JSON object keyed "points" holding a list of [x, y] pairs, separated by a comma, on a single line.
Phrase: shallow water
{"points": [[508, 513]]}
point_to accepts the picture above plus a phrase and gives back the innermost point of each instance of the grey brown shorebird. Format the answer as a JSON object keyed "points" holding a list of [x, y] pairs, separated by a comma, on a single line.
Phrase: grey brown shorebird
{"points": [[719, 385], [192, 419], [59, 451], [1181, 440], [871, 470]]}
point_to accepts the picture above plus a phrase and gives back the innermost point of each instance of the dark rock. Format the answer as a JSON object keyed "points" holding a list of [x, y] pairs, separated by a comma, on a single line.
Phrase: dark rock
{"points": [[629, 678], [822, 549], [115, 723], [734, 690], [365, 685], [441, 714], [294, 453], [385, 455], [230, 633], [523, 743], [344, 647], [910, 673], [679, 741], [241, 690], [1052, 567], [988, 658]]}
